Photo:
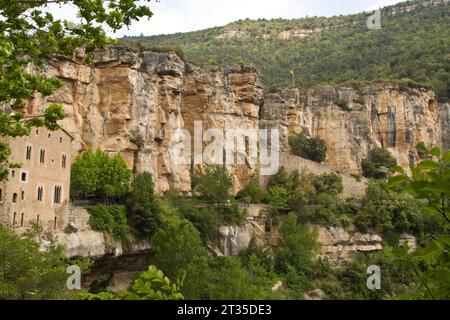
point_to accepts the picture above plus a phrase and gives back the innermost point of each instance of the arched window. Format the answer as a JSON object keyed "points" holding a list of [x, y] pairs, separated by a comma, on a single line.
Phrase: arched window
{"points": [[24, 177], [14, 199], [1, 194], [14, 219], [21, 219], [22, 196], [37, 220], [55, 222]]}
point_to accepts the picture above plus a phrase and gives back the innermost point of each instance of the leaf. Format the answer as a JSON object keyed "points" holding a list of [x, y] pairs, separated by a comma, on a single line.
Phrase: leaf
{"points": [[435, 152], [396, 181], [428, 165]]}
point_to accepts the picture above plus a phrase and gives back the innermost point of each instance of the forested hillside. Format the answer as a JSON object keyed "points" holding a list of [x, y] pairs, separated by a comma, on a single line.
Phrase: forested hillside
{"points": [[411, 48]]}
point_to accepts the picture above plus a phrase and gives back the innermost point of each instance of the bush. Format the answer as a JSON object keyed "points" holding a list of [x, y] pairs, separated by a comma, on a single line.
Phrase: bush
{"points": [[253, 193], [279, 198], [111, 219], [329, 183], [377, 162], [314, 149], [385, 211]]}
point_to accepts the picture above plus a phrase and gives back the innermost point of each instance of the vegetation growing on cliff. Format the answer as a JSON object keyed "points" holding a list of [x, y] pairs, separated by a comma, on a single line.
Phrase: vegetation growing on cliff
{"points": [[410, 49], [378, 163], [314, 149]]}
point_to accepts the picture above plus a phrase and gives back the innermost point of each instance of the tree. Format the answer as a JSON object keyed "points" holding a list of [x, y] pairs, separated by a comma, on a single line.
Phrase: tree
{"points": [[297, 246], [180, 253], [28, 273], [377, 163], [30, 35], [213, 184], [150, 285], [100, 175], [142, 213]]}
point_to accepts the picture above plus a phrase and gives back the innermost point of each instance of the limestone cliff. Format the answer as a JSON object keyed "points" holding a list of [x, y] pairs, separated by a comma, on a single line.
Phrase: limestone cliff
{"points": [[352, 121], [132, 102]]}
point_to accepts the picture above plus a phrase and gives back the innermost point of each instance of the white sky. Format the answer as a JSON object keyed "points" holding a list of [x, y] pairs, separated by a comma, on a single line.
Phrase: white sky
{"points": [[171, 16]]}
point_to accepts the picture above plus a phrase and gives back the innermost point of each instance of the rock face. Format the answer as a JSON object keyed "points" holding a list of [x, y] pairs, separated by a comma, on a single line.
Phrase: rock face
{"points": [[341, 246], [133, 102], [354, 121]]}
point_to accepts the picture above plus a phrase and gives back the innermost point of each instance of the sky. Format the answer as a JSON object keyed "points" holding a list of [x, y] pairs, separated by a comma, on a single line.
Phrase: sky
{"points": [[171, 16]]}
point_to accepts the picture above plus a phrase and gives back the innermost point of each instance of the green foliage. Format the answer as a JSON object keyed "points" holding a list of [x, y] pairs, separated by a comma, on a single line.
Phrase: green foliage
{"points": [[150, 285], [141, 207], [30, 35], [377, 163], [100, 175], [227, 279], [111, 219], [314, 149], [409, 50], [329, 183], [430, 182], [279, 198], [397, 278], [385, 211], [180, 253], [213, 184], [28, 273], [294, 257], [253, 193]]}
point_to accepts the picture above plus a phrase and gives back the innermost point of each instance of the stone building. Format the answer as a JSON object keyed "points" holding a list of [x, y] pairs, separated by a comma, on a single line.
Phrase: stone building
{"points": [[39, 190]]}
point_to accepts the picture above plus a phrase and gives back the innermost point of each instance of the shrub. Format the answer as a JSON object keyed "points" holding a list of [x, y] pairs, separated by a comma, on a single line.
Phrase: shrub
{"points": [[329, 183], [314, 149], [343, 104], [253, 193], [111, 219], [377, 162], [385, 211]]}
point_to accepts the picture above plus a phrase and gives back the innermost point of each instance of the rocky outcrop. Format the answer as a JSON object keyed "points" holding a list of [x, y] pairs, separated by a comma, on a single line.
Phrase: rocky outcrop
{"points": [[341, 246], [353, 121]]}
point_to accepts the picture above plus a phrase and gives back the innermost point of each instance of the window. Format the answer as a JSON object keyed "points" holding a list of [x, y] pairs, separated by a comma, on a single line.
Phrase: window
{"points": [[24, 176], [57, 195], [60, 140], [21, 219], [49, 135], [37, 132], [64, 161], [37, 220], [42, 156], [13, 173], [14, 219], [40, 193], [28, 153], [14, 198], [55, 223], [1, 194], [22, 196]]}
